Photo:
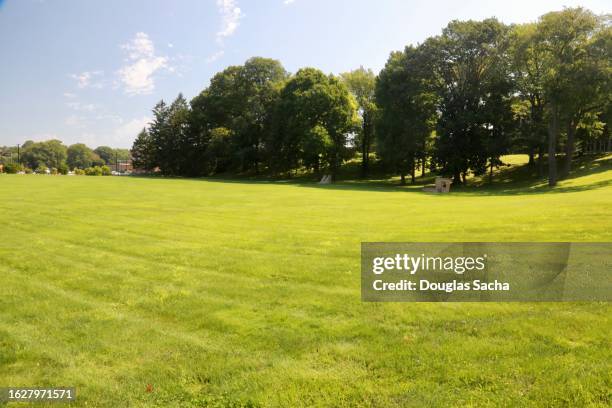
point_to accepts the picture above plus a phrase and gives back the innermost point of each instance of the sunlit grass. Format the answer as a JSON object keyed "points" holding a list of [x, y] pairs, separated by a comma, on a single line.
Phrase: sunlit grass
{"points": [[219, 292]]}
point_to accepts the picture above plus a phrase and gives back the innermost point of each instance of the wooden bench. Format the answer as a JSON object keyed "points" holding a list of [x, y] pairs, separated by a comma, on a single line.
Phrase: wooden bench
{"points": [[442, 186]]}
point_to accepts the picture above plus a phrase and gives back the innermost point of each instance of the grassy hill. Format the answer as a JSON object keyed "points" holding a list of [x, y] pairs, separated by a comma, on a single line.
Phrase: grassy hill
{"points": [[246, 293]]}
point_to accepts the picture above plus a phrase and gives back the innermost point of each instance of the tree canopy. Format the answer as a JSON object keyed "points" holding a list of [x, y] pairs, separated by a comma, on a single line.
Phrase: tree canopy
{"points": [[79, 156], [362, 84], [454, 104], [315, 115]]}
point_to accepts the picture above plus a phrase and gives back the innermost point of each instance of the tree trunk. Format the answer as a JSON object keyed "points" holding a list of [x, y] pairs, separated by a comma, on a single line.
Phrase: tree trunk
{"points": [[364, 159], [256, 148], [457, 177], [569, 147], [365, 146], [367, 158], [423, 161], [335, 165], [413, 170], [540, 160], [403, 179], [531, 155], [424, 157], [491, 172], [553, 131], [463, 177]]}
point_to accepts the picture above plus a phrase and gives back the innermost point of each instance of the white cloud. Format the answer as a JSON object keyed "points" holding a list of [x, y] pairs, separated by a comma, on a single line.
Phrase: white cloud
{"points": [[125, 134], [287, 2], [138, 75], [140, 46], [215, 56], [78, 106], [75, 121], [84, 79], [230, 18], [89, 139], [69, 95], [109, 116]]}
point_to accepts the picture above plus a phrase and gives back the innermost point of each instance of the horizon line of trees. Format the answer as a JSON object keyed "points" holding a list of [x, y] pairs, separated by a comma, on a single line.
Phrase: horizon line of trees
{"points": [[454, 104], [53, 154]]}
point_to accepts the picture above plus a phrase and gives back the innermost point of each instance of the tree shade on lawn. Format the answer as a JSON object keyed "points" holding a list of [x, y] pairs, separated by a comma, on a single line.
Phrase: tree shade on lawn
{"points": [[225, 292]]}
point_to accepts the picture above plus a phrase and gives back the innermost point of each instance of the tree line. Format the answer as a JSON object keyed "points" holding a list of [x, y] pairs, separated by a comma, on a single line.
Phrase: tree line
{"points": [[253, 118], [57, 157], [454, 104]]}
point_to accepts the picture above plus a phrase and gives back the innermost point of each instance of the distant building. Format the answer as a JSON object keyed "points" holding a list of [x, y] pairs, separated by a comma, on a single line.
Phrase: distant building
{"points": [[122, 166]]}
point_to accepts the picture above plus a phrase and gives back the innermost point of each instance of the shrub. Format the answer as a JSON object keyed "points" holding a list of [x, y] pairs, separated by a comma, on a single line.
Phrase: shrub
{"points": [[28, 170], [54, 171], [93, 171], [13, 168], [42, 169], [79, 172], [106, 171], [62, 169]]}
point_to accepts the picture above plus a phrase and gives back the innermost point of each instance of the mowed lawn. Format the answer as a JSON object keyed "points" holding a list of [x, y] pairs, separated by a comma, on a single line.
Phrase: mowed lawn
{"points": [[228, 293]]}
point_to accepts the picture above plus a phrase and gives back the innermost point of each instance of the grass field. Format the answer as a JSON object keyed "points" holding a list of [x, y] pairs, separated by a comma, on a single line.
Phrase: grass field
{"points": [[235, 293]]}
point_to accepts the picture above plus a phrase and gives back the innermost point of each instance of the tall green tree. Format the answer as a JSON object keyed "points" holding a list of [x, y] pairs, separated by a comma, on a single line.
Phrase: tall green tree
{"points": [[160, 138], [215, 107], [241, 99], [565, 36], [315, 115], [261, 80], [218, 155], [467, 58], [177, 142], [362, 84], [590, 84], [407, 111], [528, 69], [143, 152]]}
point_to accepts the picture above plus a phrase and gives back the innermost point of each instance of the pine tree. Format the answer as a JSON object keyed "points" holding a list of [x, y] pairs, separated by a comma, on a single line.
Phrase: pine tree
{"points": [[143, 151]]}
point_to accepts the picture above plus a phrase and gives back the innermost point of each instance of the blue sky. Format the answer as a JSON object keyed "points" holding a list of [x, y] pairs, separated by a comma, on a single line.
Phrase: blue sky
{"points": [[90, 71]]}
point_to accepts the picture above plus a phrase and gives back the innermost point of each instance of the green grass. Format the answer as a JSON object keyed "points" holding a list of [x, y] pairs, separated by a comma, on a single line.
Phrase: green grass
{"points": [[238, 293]]}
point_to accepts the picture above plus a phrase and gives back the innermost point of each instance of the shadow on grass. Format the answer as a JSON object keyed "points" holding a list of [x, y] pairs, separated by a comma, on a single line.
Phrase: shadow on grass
{"points": [[524, 179], [513, 180]]}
